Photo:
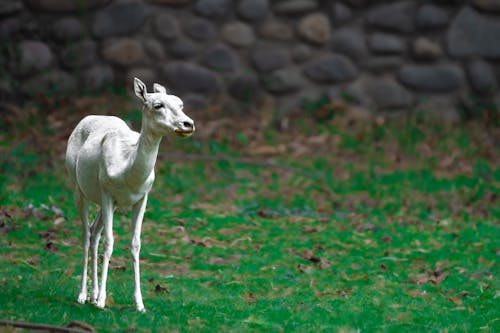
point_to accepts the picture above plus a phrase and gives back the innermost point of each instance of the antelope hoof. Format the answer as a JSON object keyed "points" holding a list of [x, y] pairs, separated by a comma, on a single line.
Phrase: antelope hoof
{"points": [[93, 298], [141, 308], [101, 303], [82, 298]]}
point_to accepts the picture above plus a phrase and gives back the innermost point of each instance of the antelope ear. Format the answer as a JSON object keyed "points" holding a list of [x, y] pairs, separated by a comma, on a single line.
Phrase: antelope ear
{"points": [[158, 88], [140, 89]]}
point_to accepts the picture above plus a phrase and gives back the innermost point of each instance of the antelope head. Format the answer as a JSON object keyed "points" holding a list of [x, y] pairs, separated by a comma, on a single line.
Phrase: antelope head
{"points": [[163, 112]]}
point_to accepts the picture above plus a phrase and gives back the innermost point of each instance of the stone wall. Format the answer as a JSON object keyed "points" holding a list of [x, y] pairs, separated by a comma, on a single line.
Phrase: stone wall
{"points": [[384, 55]]}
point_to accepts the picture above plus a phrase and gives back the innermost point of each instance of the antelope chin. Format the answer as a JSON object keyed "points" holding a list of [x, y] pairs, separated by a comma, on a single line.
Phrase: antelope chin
{"points": [[183, 134]]}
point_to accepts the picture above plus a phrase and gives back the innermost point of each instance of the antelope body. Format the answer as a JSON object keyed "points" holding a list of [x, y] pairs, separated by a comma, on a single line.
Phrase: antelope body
{"points": [[113, 166]]}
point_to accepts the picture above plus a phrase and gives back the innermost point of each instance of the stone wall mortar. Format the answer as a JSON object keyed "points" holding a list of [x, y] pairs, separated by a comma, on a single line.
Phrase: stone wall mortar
{"points": [[383, 55]]}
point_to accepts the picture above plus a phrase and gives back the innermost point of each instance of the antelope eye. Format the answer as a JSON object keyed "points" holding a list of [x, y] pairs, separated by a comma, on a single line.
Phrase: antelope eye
{"points": [[158, 106]]}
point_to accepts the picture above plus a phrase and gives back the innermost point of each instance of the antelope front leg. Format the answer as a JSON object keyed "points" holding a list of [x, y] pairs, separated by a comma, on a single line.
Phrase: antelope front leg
{"points": [[95, 235], [83, 208], [107, 219], [135, 248]]}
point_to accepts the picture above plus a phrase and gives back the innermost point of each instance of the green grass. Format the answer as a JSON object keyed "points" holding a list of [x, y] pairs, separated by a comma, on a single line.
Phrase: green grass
{"points": [[368, 231]]}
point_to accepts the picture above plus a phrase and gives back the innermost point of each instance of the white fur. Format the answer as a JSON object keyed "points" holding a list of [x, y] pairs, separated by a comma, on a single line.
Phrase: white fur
{"points": [[113, 166]]}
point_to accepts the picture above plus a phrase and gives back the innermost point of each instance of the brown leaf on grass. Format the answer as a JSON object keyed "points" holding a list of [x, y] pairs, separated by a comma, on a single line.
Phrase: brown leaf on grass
{"points": [[33, 261], [49, 234], [266, 150], [250, 298], [354, 277], [309, 255], [160, 289], [386, 239], [435, 276], [447, 161], [223, 261], [203, 242], [51, 247], [366, 227], [224, 207], [312, 229], [239, 240], [318, 139], [424, 149], [264, 212], [200, 242], [230, 231], [319, 262], [318, 293], [299, 149]]}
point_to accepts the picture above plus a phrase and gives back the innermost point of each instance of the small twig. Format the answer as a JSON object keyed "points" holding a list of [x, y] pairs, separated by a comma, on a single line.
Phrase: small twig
{"points": [[44, 327]]}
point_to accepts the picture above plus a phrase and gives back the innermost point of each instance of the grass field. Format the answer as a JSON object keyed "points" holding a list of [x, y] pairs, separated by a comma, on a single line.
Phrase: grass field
{"points": [[342, 225]]}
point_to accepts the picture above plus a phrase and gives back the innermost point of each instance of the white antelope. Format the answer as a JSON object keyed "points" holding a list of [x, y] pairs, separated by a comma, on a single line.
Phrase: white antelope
{"points": [[113, 166]]}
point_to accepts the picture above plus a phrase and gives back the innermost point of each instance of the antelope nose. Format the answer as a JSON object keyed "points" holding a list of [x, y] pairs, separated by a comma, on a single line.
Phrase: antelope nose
{"points": [[188, 125]]}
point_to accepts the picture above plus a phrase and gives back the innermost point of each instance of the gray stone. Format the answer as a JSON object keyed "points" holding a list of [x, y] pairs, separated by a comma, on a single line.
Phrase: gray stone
{"points": [[170, 2], [276, 30], [10, 28], [426, 49], [301, 53], [244, 87], [331, 69], [200, 29], [471, 33], [386, 44], [146, 74], [9, 7], [183, 49], [295, 6], [432, 78], [253, 10], [220, 58], [54, 82], [194, 102], [382, 93], [238, 34], [213, 8], [269, 57], [166, 26], [97, 77], [65, 6], [481, 77], [359, 3], [6, 88], [315, 28], [350, 42], [154, 49], [123, 51], [283, 80], [487, 5], [383, 63], [431, 17], [396, 16], [68, 29], [341, 13], [34, 56], [79, 54], [185, 77], [118, 19]]}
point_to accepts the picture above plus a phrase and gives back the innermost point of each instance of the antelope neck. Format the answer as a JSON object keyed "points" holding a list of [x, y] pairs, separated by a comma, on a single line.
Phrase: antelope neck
{"points": [[144, 156]]}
